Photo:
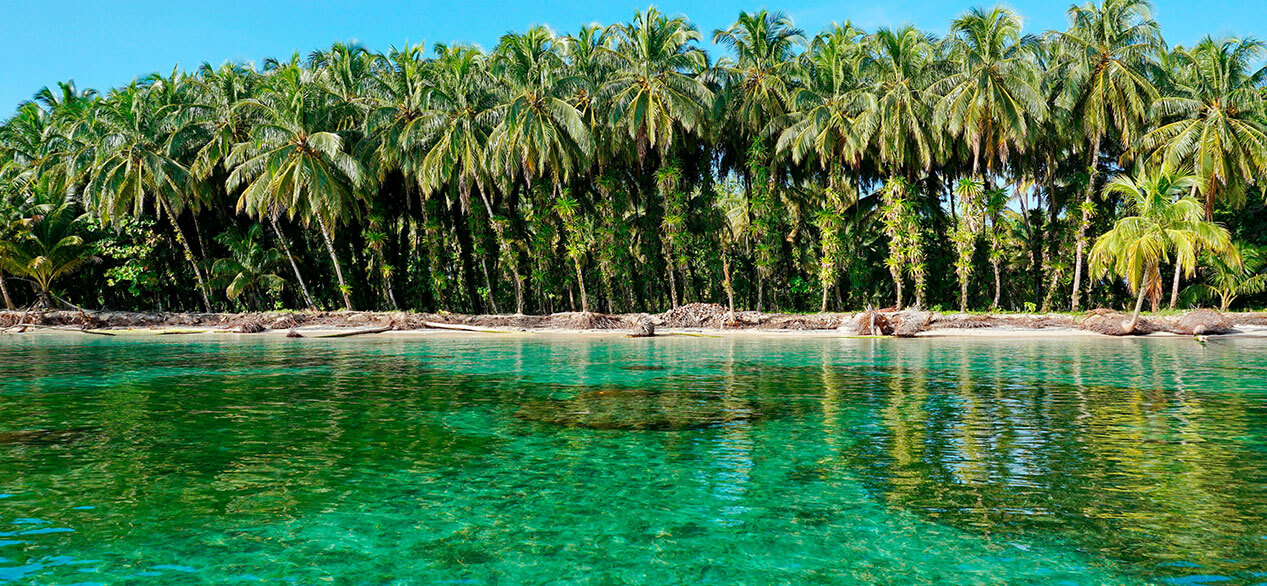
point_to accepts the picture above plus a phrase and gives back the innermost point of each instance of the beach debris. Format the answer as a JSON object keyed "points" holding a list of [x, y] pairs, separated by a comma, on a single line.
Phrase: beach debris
{"points": [[250, 326], [696, 315], [357, 332], [1115, 323], [872, 323], [645, 328], [291, 333], [462, 328], [1201, 321], [910, 323]]}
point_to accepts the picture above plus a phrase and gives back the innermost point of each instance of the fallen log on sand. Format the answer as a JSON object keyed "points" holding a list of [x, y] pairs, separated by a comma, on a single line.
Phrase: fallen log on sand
{"points": [[357, 332], [22, 327], [462, 328]]}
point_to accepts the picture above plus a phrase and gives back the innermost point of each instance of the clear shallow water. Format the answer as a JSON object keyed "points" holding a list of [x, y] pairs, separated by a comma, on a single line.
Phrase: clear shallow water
{"points": [[531, 459]]}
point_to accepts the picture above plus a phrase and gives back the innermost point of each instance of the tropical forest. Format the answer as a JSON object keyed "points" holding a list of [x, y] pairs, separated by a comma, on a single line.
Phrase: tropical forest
{"points": [[624, 168]]}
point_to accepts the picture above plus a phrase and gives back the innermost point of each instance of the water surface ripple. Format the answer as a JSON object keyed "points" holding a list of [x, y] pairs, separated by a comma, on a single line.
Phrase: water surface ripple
{"points": [[482, 459]]}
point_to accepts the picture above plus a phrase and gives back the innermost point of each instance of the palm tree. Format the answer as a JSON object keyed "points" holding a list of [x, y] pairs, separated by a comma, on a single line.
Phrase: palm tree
{"points": [[251, 269], [971, 220], [293, 163], [1213, 121], [827, 113], [1001, 236], [541, 131], [757, 82], [461, 112], [737, 227], [651, 93], [45, 246], [1166, 220], [134, 161], [991, 98], [902, 68], [1227, 280], [578, 233], [1106, 87]]}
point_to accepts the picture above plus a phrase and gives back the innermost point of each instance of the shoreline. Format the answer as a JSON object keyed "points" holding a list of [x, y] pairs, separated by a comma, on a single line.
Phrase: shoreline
{"points": [[694, 320]]}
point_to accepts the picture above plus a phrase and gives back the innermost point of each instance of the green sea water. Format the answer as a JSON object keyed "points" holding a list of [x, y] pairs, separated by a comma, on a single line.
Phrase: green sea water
{"points": [[537, 459]]}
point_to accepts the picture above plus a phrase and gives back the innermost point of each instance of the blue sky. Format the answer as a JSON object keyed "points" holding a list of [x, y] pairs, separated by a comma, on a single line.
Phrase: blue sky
{"points": [[102, 44]]}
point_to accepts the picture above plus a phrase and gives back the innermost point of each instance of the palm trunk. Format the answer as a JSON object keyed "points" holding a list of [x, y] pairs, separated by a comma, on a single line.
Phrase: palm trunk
{"points": [[919, 287], [338, 269], [492, 302], [897, 284], [760, 291], [998, 284], [1139, 305], [1174, 288], [1082, 229], [672, 288], [189, 254], [580, 283], [963, 294], [4, 290], [730, 289], [293, 265], [518, 289]]}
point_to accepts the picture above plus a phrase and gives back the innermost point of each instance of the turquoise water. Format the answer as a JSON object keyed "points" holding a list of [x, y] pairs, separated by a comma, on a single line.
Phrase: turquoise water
{"points": [[482, 459]]}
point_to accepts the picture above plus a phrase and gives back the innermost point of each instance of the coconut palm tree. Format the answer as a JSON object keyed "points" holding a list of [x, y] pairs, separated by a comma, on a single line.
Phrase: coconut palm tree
{"points": [[827, 113], [293, 163], [45, 246], [991, 98], [757, 82], [1106, 85], [541, 132], [971, 220], [1226, 280], [732, 206], [652, 93], [460, 113], [1212, 121], [251, 271], [1165, 220], [902, 67], [134, 162]]}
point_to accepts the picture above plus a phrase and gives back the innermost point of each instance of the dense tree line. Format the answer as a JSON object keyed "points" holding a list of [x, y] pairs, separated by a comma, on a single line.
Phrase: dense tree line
{"points": [[620, 168]]}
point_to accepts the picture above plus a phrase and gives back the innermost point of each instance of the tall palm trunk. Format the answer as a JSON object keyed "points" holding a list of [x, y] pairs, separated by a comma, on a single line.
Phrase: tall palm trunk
{"points": [[1139, 305], [1083, 225], [189, 253], [338, 269], [519, 288], [580, 282], [730, 288], [998, 284], [281, 238], [488, 283], [897, 284], [672, 287], [1174, 288], [4, 290]]}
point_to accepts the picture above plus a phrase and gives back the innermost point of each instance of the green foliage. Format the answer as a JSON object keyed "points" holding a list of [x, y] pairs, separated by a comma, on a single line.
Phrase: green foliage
{"points": [[619, 164]]}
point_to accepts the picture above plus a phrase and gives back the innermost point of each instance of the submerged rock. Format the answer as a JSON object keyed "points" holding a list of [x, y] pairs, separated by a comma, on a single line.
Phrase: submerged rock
{"points": [[640, 410]]}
